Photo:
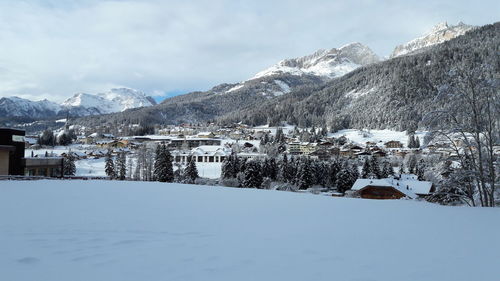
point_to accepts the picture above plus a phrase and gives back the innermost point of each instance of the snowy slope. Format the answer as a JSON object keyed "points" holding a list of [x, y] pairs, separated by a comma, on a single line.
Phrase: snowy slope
{"points": [[376, 136], [115, 100], [440, 33], [129, 231], [327, 63]]}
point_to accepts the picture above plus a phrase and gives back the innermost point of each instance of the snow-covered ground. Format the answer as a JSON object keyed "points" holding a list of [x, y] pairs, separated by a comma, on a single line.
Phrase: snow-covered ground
{"points": [[209, 170], [362, 136], [91, 167], [127, 231]]}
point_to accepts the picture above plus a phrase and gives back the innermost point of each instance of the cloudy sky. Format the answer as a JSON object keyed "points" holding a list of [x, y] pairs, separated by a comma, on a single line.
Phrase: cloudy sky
{"points": [[53, 49]]}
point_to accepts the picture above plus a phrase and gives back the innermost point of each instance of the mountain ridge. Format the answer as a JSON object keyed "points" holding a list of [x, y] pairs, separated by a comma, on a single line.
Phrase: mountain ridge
{"points": [[80, 104]]}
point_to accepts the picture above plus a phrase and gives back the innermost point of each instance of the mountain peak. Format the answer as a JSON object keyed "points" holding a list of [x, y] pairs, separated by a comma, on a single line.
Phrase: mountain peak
{"points": [[438, 34], [325, 63], [438, 27], [114, 100]]}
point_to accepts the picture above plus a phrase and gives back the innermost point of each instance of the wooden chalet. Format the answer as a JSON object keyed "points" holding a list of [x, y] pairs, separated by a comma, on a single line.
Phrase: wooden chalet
{"points": [[405, 185]]}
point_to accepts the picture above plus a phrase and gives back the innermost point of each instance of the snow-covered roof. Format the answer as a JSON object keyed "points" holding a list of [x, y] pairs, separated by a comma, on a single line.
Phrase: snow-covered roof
{"points": [[205, 133], [210, 150], [407, 185], [362, 183]]}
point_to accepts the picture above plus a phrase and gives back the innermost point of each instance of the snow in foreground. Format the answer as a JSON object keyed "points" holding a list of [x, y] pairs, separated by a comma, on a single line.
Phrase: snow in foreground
{"points": [[102, 230]]}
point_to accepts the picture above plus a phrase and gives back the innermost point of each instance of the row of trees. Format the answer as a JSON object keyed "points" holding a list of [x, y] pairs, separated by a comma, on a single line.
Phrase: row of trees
{"points": [[64, 138], [157, 166], [294, 172]]}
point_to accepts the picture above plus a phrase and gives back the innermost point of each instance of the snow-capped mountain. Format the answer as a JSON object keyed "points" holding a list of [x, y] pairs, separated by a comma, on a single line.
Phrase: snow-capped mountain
{"points": [[115, 100], [440, 33], [81, 104], [19, 107], [323, 65], [326, 63]]}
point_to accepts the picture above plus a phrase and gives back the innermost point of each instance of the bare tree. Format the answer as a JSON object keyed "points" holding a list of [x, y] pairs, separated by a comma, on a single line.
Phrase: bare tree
{"points": [[471, 124]]}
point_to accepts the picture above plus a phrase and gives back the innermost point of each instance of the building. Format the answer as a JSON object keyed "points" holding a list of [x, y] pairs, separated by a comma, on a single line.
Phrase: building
{"points": [[43, 166], [393, 144], [406, 185], [13, 162], [305, 148], [209, 154], [11, 151], [206, 135]]}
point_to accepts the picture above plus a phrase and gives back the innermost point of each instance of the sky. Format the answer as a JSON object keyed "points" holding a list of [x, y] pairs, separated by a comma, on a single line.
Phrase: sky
{"points": [[53, 49]]}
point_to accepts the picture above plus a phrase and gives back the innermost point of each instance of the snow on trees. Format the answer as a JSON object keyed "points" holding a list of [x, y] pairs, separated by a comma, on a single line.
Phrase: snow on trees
{"points": [[109, 166], [252, 174], [121, 166], [191, 172], [69, 168], [163, 168]]}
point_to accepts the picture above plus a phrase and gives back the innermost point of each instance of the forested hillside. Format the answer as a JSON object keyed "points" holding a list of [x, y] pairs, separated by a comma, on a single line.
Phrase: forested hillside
{"points": [[204, 106], [396, 93]]}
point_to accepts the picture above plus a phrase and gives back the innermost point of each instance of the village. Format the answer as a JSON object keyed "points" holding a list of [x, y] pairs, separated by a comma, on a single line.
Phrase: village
{"points": [[402, 156]]}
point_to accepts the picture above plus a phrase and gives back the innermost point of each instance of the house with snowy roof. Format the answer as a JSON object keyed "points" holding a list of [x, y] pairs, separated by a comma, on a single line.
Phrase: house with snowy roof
{"points": [[403, 186], [205, 153]]}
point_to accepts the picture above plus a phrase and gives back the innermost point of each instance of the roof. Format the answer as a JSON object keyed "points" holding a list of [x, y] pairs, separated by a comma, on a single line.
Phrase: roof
{"points": [[382, 183], [410, 187]]}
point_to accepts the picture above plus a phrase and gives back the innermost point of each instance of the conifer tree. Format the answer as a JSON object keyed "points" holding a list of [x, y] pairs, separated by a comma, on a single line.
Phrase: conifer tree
{"points": [[411, 141], [227, 168], [121, 166], [69, 168], [191, 172], [375, 168], [110, 166], [366, 170], [412, 164], [163, 168], [252, 174], [345, 179], [420, 170], [236, 164], [305, 175], [333, 171], [402, 169], [280, 137], [273, 169], [265, 168], [354, 172], [387, 170]]}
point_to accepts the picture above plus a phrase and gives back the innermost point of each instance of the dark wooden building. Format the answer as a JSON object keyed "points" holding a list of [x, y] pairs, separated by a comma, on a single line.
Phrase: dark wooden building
{"points": [[11, 151], [380, 192], [13, 162]]}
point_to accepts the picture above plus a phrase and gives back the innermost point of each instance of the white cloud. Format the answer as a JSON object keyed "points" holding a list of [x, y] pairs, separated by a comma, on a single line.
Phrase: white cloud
{"points": [[56, 48]]}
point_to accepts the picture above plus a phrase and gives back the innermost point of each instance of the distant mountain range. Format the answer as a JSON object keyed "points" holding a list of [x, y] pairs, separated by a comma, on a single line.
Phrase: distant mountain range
{"points": [[80, 104], [348, 86]]}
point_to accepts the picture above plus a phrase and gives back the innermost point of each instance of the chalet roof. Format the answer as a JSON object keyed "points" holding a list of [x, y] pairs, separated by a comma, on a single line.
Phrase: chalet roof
{"points": [[407, 185], [382, 183]]}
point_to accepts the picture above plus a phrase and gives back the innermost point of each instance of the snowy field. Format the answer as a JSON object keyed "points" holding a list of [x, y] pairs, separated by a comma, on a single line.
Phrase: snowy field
{"points": [[129, 231], [361, 137]]}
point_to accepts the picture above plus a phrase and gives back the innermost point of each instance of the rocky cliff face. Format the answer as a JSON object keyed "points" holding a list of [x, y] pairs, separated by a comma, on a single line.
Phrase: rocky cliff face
{"points": [[326, 63], [439, 34]]}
